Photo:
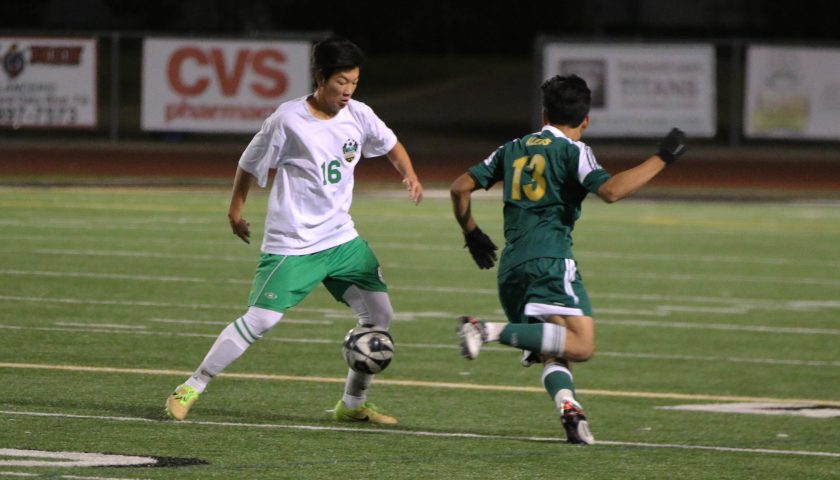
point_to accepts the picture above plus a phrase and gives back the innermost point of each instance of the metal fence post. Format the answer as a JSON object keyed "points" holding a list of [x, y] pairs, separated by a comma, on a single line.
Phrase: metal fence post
{"points": [[115, 87], [737, 92]]}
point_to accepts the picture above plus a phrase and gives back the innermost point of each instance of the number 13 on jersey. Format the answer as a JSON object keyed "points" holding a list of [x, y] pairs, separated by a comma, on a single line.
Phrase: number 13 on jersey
{"points": [[534, 167]]}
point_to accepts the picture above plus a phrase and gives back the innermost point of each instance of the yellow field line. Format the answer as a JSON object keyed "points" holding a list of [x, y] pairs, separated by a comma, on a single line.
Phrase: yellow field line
{"points": [[426, 384], [139, 207]]}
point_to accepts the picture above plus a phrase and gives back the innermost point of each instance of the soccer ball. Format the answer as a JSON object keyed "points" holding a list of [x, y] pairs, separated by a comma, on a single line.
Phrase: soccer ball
{"points": [[368, 350]]}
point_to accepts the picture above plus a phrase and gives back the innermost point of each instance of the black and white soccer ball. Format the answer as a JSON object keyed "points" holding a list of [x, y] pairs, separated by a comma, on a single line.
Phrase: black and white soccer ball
{"points": [[368, 349]]}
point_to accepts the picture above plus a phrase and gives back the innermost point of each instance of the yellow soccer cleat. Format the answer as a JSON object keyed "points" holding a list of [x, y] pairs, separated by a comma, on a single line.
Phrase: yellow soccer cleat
{"points": [[179, 403], [367, 412]]}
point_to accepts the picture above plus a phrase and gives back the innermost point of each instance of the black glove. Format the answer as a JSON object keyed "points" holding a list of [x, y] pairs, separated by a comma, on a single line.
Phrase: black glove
{"points": [[481, 248], [672, 146]]}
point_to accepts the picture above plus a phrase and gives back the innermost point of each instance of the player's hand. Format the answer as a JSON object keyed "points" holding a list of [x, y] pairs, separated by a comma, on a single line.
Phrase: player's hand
{"points": [[415, 190], [241, 229], [482, 249], [672, 146]]}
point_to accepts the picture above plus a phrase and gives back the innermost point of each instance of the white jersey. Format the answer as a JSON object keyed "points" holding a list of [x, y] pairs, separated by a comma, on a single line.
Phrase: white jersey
{"points": [[309, 204]]}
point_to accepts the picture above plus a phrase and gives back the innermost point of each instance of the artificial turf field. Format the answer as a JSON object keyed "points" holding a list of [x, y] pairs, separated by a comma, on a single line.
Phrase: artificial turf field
{"points": [[110, 297]]}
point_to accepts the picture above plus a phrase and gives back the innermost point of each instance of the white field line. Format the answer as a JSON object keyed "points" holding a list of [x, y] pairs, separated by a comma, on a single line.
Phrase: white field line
{"points": [[120, 276], [184, 321], [728, 259], [738, 360], [436, 315], [93, 328], [212, 226], [218, 234], [406, 316], [736, 306], [725, 278], [760, 279], [145, 225], [420, 384], [721, 326], [420, 433], [68, 477], [751, 302], [138, 254], [116, 326]]}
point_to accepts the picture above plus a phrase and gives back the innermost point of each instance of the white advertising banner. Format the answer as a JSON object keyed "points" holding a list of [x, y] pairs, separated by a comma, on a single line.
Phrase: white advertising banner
{"points": [[192, 85], [792, 92], [641, 90], [48, 82]]}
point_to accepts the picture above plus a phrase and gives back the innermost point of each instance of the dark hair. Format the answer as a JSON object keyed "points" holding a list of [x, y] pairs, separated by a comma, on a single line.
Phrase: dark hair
{"points": [[333, 55], [566, 100]]}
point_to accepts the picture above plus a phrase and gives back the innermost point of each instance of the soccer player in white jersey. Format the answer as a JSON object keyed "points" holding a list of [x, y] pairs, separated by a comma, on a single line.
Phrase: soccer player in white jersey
{"points": [[314, 144]]}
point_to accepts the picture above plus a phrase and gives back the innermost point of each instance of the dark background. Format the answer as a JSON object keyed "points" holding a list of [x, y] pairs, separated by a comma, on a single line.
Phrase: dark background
{"points": [[453, 78], [441, 26]]}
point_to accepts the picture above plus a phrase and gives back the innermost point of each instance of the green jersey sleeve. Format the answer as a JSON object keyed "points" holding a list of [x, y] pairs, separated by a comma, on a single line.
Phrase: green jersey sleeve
{"points": [[490, 171]]}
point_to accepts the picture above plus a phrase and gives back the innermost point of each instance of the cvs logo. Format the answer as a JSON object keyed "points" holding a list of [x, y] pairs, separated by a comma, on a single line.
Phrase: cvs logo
{"points": [[191, 70]]}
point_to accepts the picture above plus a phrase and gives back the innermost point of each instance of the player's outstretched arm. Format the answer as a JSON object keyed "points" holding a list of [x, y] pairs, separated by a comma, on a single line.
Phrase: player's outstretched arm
{"points": [[399, 158], [626, 183], [241, 185], [481, 247]]}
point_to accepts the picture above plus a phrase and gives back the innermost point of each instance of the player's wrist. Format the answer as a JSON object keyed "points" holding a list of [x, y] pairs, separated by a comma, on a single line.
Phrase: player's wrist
{"points": [[666, 156], [473, 234], [672, 146]]}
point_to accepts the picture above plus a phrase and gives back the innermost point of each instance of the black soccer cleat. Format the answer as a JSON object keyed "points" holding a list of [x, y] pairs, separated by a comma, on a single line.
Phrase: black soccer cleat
{"points": [[575, 425]]}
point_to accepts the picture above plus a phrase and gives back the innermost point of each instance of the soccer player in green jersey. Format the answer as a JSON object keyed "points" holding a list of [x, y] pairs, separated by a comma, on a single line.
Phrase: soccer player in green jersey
{"points": [[313, 144], [546, 176]]}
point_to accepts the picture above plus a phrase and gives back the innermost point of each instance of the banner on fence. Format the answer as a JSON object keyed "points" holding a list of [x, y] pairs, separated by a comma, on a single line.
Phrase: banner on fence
{"points": [[48, 82], [792, 93], [641, 90], [221, 86]]}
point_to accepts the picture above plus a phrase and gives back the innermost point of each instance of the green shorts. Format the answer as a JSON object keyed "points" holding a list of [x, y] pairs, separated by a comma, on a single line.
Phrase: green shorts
{"points": [[282, 281], [541, 287]]}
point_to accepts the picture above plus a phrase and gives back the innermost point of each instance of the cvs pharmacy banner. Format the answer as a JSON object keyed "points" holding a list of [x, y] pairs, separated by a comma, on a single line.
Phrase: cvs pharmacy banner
{"points": [[200, 85]]}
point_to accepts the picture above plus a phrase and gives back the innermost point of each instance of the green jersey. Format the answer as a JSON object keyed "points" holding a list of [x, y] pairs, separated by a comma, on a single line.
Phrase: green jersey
{"points": [[546, 177]]}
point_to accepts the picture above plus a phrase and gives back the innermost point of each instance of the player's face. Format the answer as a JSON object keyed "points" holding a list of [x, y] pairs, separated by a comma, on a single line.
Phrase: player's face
{"points": [[336, 91]]}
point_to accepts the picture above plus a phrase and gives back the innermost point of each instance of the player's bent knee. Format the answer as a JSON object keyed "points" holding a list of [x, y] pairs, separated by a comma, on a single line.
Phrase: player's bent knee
{"points": [[372, 308], [381, 314], [260, 320], [579, 352]]}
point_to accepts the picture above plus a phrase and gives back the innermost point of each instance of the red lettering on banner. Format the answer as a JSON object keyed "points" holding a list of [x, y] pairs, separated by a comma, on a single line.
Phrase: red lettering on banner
{"points": [[263, 67], [230, 82], [265, 64], [56, 55], [176, 62], [212, 112]]}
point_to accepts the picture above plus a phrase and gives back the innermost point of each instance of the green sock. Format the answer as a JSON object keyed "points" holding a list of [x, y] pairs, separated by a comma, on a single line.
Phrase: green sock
{"points": [[558, 382], [545, 338]]}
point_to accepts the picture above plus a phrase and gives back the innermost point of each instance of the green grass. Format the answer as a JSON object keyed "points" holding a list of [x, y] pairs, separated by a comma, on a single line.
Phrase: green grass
{"points": [[695, 302]]}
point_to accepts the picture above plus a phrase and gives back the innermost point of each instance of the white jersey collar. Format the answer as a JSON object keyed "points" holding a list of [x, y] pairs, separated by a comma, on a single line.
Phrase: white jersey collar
{"points": [[555, 131]]}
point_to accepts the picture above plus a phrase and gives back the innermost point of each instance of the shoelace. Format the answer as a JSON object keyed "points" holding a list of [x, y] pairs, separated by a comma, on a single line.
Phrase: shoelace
{"points": [[185, 396]]}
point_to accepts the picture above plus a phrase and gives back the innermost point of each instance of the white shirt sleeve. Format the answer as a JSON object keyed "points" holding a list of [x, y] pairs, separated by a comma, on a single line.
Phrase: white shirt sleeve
{"points": [[263, 152], [586, 162], [379, 139]]}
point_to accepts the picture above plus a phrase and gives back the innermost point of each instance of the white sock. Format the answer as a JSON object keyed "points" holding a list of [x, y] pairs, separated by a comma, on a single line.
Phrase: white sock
{"points": [[355, 390], [563, 396], [229, 346], [494, 329]]}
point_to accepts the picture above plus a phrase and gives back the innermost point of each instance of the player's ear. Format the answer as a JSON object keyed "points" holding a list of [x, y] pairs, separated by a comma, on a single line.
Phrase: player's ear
{"points": [[319, 80], [585, 123], [545, 117]]}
